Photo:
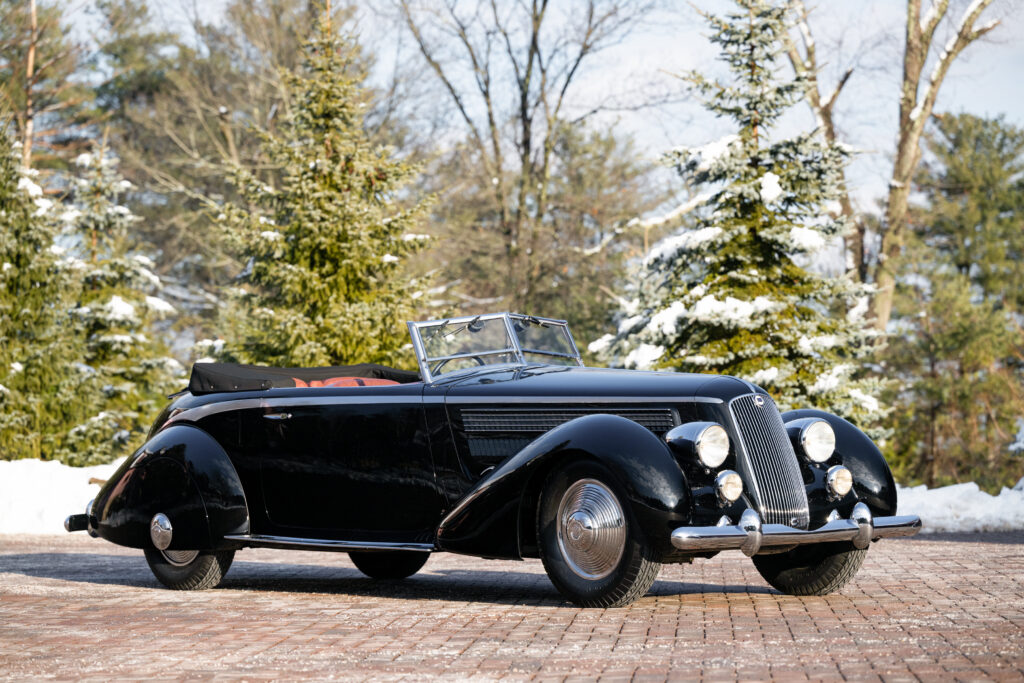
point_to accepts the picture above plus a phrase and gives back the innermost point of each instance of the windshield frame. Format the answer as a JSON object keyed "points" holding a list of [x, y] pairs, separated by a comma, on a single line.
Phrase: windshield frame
{"points": [[516, 349]]}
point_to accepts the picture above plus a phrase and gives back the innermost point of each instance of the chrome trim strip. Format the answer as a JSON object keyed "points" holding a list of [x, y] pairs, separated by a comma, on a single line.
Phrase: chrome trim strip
{"points": [[199, 412], [326, 544], [458, 400], [743, 536], [364, 400]]}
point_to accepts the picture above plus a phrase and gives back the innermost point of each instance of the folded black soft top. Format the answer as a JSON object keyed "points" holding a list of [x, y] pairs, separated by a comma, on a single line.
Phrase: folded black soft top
{"points": [[208, 378]]}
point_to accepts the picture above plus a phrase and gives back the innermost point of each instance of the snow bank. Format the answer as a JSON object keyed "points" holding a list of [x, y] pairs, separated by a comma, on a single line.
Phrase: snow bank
{"points": [[36, 495], [964, 507]]}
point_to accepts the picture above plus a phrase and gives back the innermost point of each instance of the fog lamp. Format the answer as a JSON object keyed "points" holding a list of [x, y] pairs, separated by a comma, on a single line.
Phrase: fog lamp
{"points": [[840, 480], [729, 486]]}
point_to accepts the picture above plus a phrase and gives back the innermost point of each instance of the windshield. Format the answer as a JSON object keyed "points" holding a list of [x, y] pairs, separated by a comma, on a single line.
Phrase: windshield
{"points": [[444, 346]]}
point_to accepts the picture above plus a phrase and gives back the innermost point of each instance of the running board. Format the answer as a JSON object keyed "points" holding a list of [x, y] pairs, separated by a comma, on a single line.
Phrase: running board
{"points": [[287, 542]]}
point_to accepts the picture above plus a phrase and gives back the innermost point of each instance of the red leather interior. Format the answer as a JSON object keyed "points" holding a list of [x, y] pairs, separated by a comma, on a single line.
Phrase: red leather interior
{"points": [[343, 382]]}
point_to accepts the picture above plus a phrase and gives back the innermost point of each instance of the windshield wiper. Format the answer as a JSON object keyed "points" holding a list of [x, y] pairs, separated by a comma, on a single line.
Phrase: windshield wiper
{"points": [[438, 330]]}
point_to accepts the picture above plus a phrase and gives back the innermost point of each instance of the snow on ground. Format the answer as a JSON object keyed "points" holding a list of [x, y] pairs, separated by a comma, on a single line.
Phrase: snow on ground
{"points": [[964, 507], [36, 496]]}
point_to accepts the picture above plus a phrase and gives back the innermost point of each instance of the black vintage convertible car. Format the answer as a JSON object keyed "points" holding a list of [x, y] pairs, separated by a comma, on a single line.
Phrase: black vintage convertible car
{"points": [[503, 446]]}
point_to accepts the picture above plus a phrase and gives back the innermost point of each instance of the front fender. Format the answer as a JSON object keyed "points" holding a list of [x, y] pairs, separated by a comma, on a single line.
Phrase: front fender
{"points": [[184, 473], [872, 478], [496, 518]]}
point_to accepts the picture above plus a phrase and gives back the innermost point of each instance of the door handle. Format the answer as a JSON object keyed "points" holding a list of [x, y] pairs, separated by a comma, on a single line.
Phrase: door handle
{"points": [[278, 416]]}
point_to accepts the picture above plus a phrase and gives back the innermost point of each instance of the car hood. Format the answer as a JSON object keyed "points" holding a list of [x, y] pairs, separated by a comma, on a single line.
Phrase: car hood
{"points": [[553, 382]]}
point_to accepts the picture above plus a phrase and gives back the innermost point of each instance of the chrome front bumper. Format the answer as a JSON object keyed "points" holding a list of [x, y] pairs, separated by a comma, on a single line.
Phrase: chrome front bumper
{"points": [[750, 535]]}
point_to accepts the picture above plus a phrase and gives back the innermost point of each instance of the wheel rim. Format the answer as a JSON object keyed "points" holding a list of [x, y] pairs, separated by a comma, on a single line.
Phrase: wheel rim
{"points": [[179, 558], [591, 529]]}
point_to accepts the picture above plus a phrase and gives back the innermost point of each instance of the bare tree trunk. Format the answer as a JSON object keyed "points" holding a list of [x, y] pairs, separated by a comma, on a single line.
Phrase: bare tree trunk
{"points": [[30, 71], [806, 65], [915, 109]]}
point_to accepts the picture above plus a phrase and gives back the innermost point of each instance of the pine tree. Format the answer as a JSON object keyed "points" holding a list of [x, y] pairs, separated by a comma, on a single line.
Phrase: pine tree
{"points": [[731, 294], [959, 395], [959, 353], [325, 282], [39, 382], [973, 186], [41, 83], [128, 367]]}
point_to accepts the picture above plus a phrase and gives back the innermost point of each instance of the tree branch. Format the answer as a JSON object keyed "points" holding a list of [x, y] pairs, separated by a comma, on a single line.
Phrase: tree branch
{"points": [[439, 71]]}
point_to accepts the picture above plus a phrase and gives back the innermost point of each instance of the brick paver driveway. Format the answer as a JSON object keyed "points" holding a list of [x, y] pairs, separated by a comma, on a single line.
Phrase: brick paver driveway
{"points": [[932, 607]]}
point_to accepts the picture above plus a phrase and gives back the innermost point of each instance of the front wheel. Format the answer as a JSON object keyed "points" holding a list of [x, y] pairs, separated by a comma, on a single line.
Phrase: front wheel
{"points": [[592, 548], [389, 564], [817, 569], [189, 570]]}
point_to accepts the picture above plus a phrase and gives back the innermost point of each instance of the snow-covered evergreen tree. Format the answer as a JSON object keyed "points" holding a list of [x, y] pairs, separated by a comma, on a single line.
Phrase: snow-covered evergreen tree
{"points": [[325, 282], [38, 379], [129, 371], [731, 294]]}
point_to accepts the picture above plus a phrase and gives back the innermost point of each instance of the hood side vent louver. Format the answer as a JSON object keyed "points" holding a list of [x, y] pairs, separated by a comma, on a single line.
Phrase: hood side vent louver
{"points": [[514, 420], [493, 434]]}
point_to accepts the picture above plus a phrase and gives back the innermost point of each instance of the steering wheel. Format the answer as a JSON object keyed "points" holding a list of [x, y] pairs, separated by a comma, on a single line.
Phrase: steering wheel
{"points": [[440, 364]]}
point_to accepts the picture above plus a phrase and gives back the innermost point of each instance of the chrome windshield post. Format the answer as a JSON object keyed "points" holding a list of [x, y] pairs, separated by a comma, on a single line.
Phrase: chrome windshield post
{"points": [[514, 336], [421, 354]]}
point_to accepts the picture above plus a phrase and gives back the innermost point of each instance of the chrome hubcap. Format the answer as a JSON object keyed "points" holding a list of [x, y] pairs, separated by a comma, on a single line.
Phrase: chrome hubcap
{"points": [[179, 558], [591, 529]]}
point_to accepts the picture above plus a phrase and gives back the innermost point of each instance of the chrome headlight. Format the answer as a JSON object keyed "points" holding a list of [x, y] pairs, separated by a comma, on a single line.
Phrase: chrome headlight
{"points": [[713, 446], [814, 437], [818, 441], [707, 440]]}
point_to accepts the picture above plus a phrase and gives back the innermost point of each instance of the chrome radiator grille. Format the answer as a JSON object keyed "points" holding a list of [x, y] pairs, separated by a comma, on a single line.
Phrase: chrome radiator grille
{"points": [[767, 462]]}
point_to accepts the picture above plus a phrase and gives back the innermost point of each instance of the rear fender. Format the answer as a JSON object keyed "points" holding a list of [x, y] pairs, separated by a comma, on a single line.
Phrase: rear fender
{"points": [[872, 478], [497, 517], [184, 473]]}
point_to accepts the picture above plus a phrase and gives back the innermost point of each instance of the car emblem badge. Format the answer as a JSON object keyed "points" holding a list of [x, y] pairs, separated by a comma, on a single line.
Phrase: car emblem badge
{"points": [[758, 400]]}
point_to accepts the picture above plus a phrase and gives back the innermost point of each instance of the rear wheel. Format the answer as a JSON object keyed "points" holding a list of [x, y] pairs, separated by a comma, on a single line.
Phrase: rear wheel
{"points": [[592, 548], [189, 570], [816, 569], [389, 564]]}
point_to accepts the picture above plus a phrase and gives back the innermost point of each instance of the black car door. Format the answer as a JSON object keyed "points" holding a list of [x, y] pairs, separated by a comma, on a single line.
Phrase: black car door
{"points": [[347, 464]]}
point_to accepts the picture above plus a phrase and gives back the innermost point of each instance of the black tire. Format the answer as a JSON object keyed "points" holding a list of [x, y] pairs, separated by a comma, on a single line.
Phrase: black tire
{"points": [[389, 564], [204, 571], [817, 569], [631, 575]]}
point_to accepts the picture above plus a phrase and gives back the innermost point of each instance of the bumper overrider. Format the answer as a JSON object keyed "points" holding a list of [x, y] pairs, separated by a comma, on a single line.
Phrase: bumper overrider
{"points": [[84, 522], [751, 536]]}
